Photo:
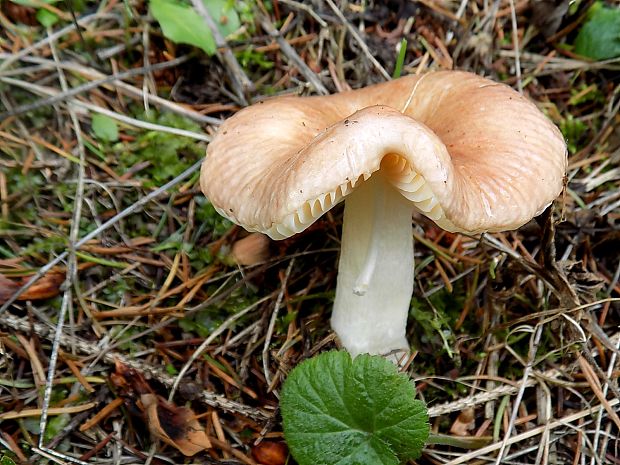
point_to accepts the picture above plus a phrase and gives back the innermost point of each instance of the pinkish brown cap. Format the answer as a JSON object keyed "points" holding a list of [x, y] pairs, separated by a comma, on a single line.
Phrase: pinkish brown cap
{"points": [[471, 154]]}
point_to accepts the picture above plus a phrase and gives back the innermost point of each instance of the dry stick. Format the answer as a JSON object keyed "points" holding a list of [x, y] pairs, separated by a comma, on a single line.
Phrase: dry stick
{"points": [[272, 323], [124, 119], [122, 86], [466, 458], [359, 40], [522, 386], [239, 80], [61, 32], [35, 412], [597, 429], [22, 129], [515, 43], [501, 391], [72, 268], [62, 96], [293, 57], [90, 349], [224, 326], [115, 219], [561, 64], [595, 385], [307, 9], [458, 15]]}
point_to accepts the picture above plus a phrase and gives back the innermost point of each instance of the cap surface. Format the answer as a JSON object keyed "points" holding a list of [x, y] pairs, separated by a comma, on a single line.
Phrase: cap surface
{"points": [[471, 154]]}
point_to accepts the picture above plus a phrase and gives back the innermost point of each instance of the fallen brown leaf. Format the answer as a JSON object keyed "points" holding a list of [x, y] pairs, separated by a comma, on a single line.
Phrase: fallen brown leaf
{"points": [[251, 250], [129, 383], [7, 288], [464, 423], [46, 287], [176, 426]]}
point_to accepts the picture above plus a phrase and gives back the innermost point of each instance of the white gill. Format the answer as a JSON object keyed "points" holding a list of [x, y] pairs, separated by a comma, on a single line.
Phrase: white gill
{"points": [[401, 175]]}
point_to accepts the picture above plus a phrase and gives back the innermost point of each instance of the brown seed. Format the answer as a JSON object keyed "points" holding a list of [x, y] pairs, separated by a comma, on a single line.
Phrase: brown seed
{"points": [[251, 250], [270, 453]]}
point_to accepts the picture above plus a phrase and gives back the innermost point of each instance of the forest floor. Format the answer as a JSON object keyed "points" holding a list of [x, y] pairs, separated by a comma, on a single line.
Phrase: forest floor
{"points": [[134, 286]]}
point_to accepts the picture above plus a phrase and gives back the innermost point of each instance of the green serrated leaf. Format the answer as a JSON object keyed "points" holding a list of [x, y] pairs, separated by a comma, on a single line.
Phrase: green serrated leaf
{"points": [[351, 412], [181, 24], [599, 37], [105, 128]]}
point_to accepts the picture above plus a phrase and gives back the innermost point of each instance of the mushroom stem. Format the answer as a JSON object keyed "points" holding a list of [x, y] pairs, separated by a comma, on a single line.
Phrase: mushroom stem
{"points": [[379, 216], [375, 272]]}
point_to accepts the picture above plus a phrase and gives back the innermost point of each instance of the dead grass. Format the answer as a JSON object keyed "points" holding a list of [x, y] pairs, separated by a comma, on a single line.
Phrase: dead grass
{"points": [[109, 253]]}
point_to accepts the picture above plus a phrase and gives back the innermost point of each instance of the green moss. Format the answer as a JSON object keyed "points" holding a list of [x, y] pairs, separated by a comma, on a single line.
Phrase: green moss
{"points": [[169, 154], [209, 220]]}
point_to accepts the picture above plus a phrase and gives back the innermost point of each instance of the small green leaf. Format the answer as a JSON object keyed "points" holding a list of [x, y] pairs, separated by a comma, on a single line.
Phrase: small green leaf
{"points": [[352, 412], [46, 18], [105, 128], [55, 425], [181, 24], [599, 37], [6, 460], [400, 59], [224, 15]]}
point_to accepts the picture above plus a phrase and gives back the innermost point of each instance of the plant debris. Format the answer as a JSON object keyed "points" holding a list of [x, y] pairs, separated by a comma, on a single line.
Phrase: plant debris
{"points": [[103, 124]]}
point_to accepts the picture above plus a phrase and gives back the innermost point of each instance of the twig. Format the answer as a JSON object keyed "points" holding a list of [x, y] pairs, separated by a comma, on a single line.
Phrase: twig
{"points": [[497, 393], [466, 458], [293, 57], [597, 429], [61, 32], [91, 235], [124, 87], [272, 323], [117, 116], [65, 94], [224, 326], [359, 40], [307, 9], [239, 80], [522, 386], [24, 132], [72, 268], [88, 348], [458, 15], [515, 43], [555, 64]]}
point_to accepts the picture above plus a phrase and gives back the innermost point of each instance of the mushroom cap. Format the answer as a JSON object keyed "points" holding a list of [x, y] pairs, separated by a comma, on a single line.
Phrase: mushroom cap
{"points": [[471, 154]]}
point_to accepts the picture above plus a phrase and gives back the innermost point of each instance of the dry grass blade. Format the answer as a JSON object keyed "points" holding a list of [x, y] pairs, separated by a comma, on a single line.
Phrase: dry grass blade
{"points": [[98, 230], [87, 348], [567, 420], [595, 384], [294, 58], [359, 40], [241, 83]]}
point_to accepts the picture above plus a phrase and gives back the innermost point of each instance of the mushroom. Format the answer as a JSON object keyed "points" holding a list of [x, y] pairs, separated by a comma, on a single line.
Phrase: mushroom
{"points": [[472, 155]]}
